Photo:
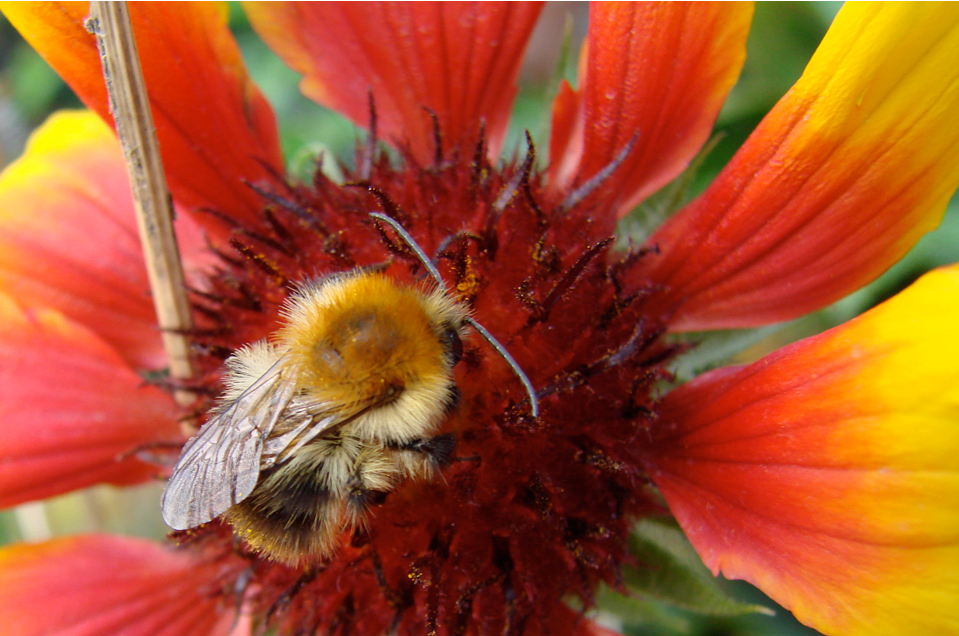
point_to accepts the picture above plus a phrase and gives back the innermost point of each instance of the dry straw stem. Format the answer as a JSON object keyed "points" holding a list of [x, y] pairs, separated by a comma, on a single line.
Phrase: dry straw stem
{"points": [[110, 23]]}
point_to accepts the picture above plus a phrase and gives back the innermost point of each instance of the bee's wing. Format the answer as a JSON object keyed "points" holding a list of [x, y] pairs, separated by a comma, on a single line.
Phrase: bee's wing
{"points": [[220, 465], [312, 421], [283, 447]]}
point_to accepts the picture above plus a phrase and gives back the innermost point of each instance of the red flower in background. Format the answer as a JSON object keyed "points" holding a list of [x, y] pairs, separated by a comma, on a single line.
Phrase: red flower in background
{"points": [[823, 473]]}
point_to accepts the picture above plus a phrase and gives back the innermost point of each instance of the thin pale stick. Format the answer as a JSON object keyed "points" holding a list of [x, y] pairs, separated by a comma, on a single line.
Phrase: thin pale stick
{"points": [[110, 23], [480, 329]]}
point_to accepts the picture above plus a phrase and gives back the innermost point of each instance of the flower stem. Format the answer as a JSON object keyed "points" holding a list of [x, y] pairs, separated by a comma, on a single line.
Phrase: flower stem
{"points": [[129, 102]]}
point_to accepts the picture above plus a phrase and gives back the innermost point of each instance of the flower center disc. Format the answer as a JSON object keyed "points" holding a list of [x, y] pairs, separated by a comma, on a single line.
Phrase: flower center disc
{"points": [[529, 511]]}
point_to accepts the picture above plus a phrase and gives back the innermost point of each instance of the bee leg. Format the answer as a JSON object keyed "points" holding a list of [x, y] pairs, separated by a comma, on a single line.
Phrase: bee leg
{"points": [[455, 395], [360, 497], [284, 599], [438, 449], [240, 587]]}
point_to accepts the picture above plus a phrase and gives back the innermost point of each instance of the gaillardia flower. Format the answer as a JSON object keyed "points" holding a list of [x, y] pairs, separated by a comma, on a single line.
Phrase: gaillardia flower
{"points": [[824, 473]]}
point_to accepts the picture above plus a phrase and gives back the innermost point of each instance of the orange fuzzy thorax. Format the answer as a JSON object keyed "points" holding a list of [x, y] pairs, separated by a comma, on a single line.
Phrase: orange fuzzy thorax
{"points": [[362, 338]]}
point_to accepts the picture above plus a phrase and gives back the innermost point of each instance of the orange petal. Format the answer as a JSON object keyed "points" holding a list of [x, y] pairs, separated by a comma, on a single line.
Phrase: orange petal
{"points": [[826, 472], [567, 130], [68, 236], [566, 136], [657, 73], [94, 585], [71, 410], [460, 60], [846, 173], [215, 127]]}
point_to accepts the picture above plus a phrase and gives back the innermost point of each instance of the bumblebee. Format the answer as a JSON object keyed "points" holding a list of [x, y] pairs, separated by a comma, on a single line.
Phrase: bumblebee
{"points": [[341, 406], [336, 410]]}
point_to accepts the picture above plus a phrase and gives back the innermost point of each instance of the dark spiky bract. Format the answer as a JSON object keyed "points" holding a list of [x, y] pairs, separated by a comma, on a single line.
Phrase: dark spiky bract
{"points": [[530, 513]]}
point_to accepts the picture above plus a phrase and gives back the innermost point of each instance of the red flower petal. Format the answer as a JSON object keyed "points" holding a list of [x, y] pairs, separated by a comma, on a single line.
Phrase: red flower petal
{"points": [[826, 473], [845, 174], [70, 408], [95, 585], [566, 135], [68, 237], [658, 72], [458, 59], [214, 126]]}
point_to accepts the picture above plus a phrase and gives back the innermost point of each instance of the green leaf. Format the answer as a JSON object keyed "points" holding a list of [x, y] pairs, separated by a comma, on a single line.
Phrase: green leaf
{"points": [[633, 610], [670, 571]]}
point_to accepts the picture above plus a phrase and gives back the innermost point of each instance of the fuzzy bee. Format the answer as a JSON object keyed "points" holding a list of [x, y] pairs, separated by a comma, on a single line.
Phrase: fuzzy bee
{"points": [[339, 407]]}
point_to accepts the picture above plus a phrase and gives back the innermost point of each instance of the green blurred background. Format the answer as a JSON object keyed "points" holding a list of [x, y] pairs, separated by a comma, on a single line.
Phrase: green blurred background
{"points": [[783, 37]]}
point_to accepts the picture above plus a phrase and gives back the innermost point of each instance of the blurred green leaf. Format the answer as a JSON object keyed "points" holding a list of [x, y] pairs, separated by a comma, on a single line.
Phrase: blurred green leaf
{"points": [[653, 616], [671, 572], [8, 527]]}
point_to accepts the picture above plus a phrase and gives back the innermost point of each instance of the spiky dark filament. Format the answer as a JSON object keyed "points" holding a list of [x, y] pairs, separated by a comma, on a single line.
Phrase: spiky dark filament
{"points": [[529, 512]]}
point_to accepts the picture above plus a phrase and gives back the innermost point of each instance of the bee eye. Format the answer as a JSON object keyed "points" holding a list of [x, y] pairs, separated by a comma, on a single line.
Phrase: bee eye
{"points": [[453, 346]]}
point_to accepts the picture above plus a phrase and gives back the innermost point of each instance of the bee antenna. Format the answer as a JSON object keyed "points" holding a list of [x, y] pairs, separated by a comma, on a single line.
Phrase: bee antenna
{"points": [[480, 329], [413, 245], [500, 349]]}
